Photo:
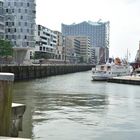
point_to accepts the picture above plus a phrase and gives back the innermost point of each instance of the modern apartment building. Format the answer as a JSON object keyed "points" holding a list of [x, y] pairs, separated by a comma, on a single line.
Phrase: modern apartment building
{"points": [[98, 32], [68, 49], [1, 20], [74, 50], [20, 25], [46, 41], [85, 49], [60, 46]]}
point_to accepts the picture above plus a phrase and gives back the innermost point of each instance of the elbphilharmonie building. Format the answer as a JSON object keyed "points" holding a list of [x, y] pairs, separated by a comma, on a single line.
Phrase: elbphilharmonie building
{"points": [[98, 32]]}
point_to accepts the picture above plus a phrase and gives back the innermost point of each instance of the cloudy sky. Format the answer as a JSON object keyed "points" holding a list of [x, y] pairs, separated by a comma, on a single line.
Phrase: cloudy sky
{"points": [[124, 17]]}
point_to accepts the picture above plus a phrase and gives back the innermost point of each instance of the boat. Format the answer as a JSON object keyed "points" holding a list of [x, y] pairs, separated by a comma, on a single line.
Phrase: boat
{"points": [[113, 68]]}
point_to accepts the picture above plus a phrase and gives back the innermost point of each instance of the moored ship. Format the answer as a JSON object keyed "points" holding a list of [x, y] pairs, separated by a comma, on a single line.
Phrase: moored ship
{"points": [[111, 69]]}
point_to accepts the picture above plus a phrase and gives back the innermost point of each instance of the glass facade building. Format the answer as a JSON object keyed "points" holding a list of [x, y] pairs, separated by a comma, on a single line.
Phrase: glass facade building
{"points": [[1, 20], [20, 22], [98, 32]]}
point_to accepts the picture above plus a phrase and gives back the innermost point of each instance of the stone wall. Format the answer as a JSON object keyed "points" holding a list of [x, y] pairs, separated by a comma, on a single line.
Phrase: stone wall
{"points": [[39, 71]]}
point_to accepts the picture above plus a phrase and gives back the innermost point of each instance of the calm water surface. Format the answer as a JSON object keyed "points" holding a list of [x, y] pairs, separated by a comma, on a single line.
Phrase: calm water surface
{"points": [[72, 107]]}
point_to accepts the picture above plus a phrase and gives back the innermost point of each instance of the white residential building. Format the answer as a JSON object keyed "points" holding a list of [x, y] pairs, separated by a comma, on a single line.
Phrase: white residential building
{"points": [[46, 41], [60, 46]]}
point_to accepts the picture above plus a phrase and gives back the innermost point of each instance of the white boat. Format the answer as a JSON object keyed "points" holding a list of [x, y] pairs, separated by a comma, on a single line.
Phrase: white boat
{"points": [[112, 69]]}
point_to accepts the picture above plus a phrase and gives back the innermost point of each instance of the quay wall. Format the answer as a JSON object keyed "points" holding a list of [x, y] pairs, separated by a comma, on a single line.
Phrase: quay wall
{"points": [[40, 71]]}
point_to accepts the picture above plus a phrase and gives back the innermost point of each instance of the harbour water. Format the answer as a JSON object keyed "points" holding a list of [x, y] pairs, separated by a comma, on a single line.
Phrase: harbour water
{"points": [[72, 107]]}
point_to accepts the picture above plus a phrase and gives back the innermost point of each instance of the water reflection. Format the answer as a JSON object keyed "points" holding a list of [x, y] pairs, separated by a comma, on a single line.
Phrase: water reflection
{"points": [[79, 109], [65, 105]]}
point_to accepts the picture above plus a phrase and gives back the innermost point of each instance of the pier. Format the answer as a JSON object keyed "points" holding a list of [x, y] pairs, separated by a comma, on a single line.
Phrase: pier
{"points": [[134, 80]]}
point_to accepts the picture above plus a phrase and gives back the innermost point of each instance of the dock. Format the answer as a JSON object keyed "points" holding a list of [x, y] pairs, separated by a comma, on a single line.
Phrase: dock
{"points": [[134, 80]]}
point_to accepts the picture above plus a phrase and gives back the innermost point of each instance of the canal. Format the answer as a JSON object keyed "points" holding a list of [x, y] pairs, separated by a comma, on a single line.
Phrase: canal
{"points": [[72, 107]]}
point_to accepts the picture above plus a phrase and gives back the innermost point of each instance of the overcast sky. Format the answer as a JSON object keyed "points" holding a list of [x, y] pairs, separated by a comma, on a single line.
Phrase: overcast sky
{"points": [[124, 17]]}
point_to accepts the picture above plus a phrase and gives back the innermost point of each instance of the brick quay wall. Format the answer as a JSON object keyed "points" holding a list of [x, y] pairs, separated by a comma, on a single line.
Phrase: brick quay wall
{"points": [[40, 71]]}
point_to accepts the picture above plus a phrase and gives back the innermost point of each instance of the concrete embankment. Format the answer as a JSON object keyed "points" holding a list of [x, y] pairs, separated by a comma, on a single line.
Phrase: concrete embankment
{"points": [[134, 80], [39, 71]]}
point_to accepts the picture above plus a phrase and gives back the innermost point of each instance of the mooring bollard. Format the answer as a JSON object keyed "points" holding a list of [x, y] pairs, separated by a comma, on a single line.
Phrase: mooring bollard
{"points": [[6, 83]]}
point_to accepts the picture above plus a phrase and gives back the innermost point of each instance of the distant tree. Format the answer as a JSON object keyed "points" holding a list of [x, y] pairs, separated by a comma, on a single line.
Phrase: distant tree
{"points": [[6, 49]]}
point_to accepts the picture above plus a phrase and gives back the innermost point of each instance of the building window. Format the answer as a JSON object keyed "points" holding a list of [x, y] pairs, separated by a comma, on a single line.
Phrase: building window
{"points": [[13, 37], [25, 23], [15, 4], [28, 4], [9, 30], [34, 12], [25, 10], [19, 10], [21, 3], [27, 30], [15, 42], [12, 10], [6, 36], [27, 43]]}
